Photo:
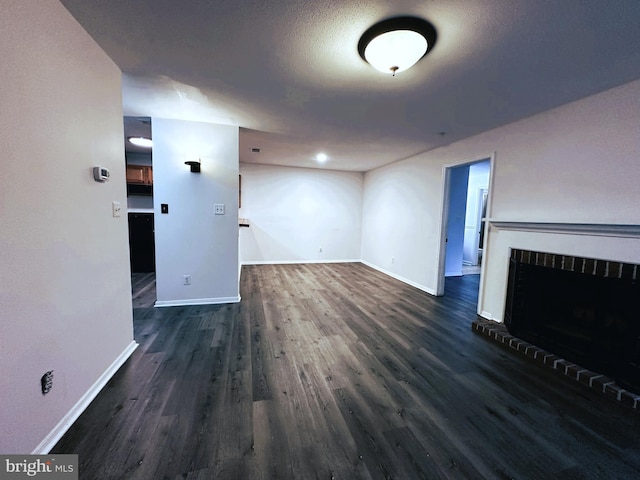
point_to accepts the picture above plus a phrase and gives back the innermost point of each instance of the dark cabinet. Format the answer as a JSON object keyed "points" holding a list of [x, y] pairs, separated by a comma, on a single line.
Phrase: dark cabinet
{"points": [[142, 243]]}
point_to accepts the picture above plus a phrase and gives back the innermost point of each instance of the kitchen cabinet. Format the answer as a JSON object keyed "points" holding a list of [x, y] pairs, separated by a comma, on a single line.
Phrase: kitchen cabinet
{"points": [[139, 174]]}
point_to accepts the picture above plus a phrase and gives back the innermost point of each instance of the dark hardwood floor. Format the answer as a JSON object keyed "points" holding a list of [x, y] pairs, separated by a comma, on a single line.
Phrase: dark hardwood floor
{"points": [[143, 286], [338, 371]]}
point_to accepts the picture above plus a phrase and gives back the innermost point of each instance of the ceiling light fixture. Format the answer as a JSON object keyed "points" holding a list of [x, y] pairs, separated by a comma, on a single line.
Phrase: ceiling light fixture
{"points": [[322, 157], [141, 141], [396, 44]]}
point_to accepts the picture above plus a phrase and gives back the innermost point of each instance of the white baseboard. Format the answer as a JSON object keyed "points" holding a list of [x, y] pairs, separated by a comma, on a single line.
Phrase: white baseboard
{"points": [[197, 301], [375, 267], [72, 415], [296, 262], [402, 279]]}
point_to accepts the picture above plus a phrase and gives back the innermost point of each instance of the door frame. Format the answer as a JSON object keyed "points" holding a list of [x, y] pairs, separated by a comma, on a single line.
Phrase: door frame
{"points": [[444, 214]]}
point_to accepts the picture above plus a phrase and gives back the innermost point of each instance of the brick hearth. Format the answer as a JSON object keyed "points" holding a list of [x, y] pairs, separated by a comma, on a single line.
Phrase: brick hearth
{"points": [[602, 384]]}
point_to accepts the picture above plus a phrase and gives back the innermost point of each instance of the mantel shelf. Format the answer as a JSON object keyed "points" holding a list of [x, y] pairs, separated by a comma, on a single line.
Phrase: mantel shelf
{"points": [[593, 229]]}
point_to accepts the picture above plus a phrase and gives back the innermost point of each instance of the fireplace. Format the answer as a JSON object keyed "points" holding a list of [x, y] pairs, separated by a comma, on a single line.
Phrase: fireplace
{"points": [[584, 310]]}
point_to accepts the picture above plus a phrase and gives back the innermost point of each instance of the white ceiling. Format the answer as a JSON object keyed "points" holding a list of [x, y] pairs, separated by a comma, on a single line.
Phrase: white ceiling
{"points": [[289, 74]]}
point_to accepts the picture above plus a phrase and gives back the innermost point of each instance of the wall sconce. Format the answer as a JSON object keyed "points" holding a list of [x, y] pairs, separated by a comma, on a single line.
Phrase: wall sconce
{"points": [[194, 164]]}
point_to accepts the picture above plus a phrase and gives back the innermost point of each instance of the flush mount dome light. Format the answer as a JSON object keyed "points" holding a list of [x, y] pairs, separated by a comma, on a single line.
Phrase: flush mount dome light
{"points": [[396, 44], [141, 141]]}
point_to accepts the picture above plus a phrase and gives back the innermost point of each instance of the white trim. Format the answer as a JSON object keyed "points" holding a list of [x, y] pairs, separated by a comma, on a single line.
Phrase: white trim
{"points": [[489, 316], [197, 301], [296, 262], [485, 247], [593, 229], [402, 279], [72, 415], [375, 267], [140, 210], [442, 226]]}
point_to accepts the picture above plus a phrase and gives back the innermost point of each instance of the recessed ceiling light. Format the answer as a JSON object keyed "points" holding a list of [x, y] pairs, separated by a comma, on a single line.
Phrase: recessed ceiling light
{"points": [[141, 141], [255, 150], [322, 157], [396, 44]]}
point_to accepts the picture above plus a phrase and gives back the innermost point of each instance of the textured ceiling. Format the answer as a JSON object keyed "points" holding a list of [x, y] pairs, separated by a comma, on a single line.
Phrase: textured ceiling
{"points": [[289, 74]]}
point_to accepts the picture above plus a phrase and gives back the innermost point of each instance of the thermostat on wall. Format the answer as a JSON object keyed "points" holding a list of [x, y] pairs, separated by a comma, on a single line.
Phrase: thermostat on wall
{"points": [[100, 174]]}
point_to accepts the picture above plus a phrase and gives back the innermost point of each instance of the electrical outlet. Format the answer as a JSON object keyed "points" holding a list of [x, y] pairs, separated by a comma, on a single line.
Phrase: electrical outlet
{"points": [[187, 279], [218, 208], [320, 250], [116, 209], [46, 382]]}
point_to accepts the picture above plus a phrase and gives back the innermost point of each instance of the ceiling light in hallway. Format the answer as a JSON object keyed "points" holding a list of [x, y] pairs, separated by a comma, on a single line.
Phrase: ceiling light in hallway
{"points": [[141, 141]]}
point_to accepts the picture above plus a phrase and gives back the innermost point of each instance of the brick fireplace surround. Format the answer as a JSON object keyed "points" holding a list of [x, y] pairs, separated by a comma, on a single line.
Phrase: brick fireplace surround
{"points": [[497, 332]]}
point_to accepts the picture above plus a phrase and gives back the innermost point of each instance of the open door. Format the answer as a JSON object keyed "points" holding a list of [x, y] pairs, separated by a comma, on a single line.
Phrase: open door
{"points": [[482, 214], [456, 216]]}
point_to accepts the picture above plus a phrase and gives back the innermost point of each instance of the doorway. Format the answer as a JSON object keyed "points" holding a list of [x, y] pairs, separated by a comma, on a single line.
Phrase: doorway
{"points": [[465, 205], [139, 173]]}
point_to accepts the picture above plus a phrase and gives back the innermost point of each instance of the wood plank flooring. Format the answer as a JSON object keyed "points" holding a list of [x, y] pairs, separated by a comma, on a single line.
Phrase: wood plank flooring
{"points": [[336, 371], [143, 289]]}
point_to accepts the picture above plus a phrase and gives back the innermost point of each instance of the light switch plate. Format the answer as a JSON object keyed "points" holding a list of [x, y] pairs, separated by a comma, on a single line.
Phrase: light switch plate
{"points": [[219, 208]]}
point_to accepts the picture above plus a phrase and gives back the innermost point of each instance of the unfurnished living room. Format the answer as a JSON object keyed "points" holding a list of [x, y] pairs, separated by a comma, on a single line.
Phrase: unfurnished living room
{"points": [[293, 240]]}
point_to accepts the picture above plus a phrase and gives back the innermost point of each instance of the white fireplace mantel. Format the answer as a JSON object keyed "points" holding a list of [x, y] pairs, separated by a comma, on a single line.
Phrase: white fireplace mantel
{"points": [[592, 229]]}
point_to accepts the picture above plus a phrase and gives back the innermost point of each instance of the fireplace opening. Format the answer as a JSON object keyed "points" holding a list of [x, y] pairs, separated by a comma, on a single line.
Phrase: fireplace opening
{"points": [[586, 311]]}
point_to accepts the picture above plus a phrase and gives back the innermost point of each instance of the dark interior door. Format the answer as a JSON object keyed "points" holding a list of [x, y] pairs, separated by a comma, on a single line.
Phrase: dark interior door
{"points": [[141, 243]]}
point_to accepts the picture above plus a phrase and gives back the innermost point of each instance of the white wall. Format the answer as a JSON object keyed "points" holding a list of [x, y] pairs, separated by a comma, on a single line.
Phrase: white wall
{"points": [[65, 289], [576, 163], [191, 239], [140, 203], [401, 214], [295, 212], [139, 159]]}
